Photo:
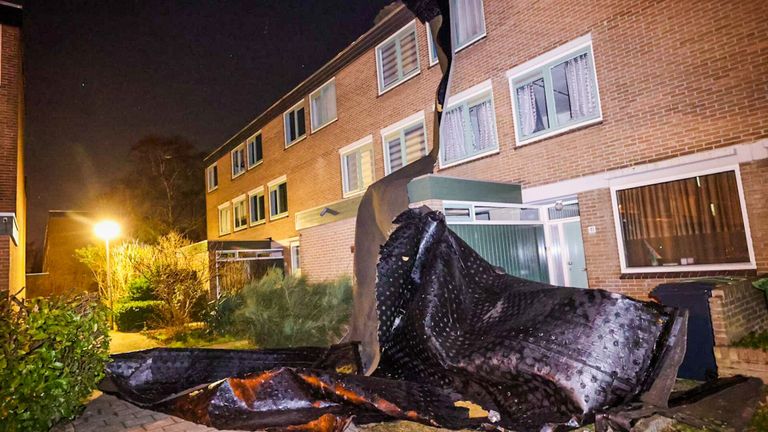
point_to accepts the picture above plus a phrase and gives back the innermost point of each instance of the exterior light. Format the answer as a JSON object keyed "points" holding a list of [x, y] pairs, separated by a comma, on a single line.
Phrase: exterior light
{"points": [[107, 230]]}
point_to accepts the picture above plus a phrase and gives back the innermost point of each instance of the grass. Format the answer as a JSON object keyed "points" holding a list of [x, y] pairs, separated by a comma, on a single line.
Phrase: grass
{"points": [[124, 342], [195, 336], [755, 340]]}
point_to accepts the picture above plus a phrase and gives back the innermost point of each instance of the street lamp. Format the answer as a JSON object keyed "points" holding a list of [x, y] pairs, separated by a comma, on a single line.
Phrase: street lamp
{"points": [[108, 230]]}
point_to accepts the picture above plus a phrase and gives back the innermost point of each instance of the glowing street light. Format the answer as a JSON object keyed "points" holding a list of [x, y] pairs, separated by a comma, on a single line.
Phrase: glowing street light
{"points": [[108, 230]]}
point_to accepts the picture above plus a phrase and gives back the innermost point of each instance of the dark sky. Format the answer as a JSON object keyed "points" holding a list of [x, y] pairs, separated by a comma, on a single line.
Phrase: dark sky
{"points": [[101, 74]]}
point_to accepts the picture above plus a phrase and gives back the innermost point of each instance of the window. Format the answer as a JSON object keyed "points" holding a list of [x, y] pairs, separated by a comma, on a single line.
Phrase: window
{"points": [[225, 215], [432, 44], [357, 166], [238, 161], [397, 58], [556, 96], [293, 121], [694, 221], [240, 213], [255, 151], [322, 104], [257, 204], [404, 142], [278, 198], [212, 176], [469, 24], [469, 129], [295, 258]]}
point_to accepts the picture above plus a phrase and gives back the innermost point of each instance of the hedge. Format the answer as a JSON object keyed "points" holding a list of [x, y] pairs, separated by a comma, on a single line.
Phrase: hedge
{"points": [[52, 356], [137, 315]]}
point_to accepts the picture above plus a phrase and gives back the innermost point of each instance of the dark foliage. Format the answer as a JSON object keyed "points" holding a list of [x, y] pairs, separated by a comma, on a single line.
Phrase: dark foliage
{"points": [[138, 315]]}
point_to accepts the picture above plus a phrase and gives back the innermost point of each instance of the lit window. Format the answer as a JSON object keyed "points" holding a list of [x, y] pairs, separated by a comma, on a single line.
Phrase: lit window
{"points": [[212, 176], [557, 95], [238, 161], [322, 103], [469, 24], [357, 166], [240, 213], [397, 58], [469, 129], [225, 215], [278, 198], [293, 121], [404, 143], [257, 205], [255, 151], [671, 226]]}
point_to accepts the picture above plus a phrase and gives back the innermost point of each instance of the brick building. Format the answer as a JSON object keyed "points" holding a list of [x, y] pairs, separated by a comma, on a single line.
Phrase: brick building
{"points": [[615, 145], [13, 202]]}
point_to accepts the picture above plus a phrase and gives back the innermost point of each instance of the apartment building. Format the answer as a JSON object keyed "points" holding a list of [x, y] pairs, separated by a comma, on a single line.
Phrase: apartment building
{"points": [[13, 201], [615, 145]]}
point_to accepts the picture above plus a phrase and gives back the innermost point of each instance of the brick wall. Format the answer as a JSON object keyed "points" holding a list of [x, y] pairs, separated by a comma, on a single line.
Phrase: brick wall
{"points": [[742, 361], [737, 309], [326, 250]]}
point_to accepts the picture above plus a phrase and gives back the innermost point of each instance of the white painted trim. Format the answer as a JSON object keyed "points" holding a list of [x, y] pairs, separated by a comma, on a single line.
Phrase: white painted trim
{"points": [[467, 160], [221, 207], [226, 204], [208, 187], [411, 120], [722, 157], [295, 266], [347, 150], [408, 121], [232, 166], [254, 192], [379, 79], [247, 141], [476, 38], [475, 90], [317, 90], [537, 62], [356, 145], [278, 216], [556, 131], [430, 46], [236, 201], [680, 175], [285, 131], [277, 181]]}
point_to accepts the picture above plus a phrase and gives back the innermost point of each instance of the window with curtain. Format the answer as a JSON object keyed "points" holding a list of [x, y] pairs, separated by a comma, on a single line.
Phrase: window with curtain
{"points": [[240, 213], [293, 122], [238, 161], [255, 150], [357, 169], [404, 146], [694, 221], [257, 204], [469, 24], [559, 95], [397, 58], [432, 44], [213, 177], [225, 213], [278, 200], [322, 103], [469, 129]]}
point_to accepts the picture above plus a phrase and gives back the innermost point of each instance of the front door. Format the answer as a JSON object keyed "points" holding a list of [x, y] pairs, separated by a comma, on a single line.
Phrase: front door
{"points": [[565, 246], [576, 265]]}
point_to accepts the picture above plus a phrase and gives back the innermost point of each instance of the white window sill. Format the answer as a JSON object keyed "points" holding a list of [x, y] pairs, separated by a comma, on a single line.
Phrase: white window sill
{"points": [[557, 132], [241, 228], [224, 234], [471, 42], [278, 216], [318, 129], [213, 189], [689, 268], [404, 80], [470, 159], [346, 195], [256, 164], [238, 175], [296, 141]]}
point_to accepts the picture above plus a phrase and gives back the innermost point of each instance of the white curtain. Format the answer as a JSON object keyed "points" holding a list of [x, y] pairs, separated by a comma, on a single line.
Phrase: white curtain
{"points": [[526, 101], [452, 135], [469, 22], [324, 106], [481, 119], [353, 182], [578, 73]]}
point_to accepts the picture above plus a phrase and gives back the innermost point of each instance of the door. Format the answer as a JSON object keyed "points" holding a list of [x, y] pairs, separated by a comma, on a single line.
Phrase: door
{"points": [[576, 264], [565, 246]]}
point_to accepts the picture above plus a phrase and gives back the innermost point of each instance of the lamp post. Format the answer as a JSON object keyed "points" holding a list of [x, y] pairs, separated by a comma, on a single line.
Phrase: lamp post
{"points": [[108, 230]]}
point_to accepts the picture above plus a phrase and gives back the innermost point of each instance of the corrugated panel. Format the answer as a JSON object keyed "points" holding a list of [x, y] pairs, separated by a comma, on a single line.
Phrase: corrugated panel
{"points": [[518, 249]]}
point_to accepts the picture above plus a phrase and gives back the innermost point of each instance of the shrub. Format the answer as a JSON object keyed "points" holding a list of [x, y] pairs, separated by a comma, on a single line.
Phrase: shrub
{"points": [[137, 315], [284, 311], [220, 316], [53, 355], [139, 289]]}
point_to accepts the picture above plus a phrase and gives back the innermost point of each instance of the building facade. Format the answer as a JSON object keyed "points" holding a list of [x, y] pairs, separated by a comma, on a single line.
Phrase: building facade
{"points": [[637, 133], [13, 202]]}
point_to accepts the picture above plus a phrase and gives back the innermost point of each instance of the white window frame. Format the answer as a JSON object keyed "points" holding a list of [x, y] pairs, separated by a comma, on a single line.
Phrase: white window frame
{"points": [[411, 26], [285, 130], [312, 126], [431, 45], [228, 230], [520, 72], [346, 151], [471, 93], [454, 33], [682, 173], [401, 126], [248, 142], [273, 185], [295, 266], [235, 202], [241, 148], [259, 191], [208, 177]]}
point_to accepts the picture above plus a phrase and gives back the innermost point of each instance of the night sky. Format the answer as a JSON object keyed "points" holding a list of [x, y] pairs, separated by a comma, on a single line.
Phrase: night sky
{"points": [[101, 74]]}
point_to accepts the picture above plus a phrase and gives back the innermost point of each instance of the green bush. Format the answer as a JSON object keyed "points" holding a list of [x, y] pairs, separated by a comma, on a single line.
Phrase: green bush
{"points": [[53, 355], [220, 317], [284, 311], [137, 315], [139, 289]]}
